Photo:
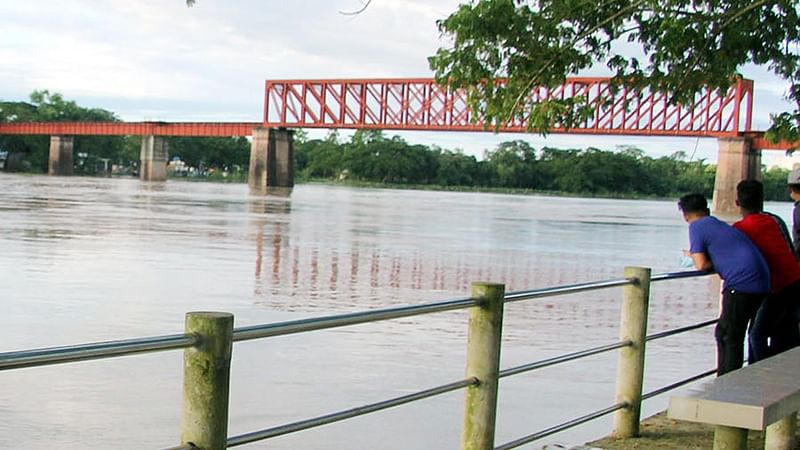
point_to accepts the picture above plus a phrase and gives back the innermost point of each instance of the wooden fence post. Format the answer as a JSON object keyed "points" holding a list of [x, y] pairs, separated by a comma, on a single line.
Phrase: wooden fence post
{"points": [[630, 365], [206, 379], [483, 363]]}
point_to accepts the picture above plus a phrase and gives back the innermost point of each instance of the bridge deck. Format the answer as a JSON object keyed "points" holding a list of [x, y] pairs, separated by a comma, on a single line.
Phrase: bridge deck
{"points": [[200, 129]]}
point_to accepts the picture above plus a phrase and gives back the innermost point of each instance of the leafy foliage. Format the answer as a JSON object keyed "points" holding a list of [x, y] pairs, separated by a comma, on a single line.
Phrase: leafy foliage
{"points": [[211, 152], [675, 46], [370, 156], [45, 106], [775, 183]]}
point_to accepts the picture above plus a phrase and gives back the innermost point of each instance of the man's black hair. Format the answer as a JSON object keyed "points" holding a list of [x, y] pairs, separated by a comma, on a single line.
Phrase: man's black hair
{"points": [[750, 195], [694, 203]]}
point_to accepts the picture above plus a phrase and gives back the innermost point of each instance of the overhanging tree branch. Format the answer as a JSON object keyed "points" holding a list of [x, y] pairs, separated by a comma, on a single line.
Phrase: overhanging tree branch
{"points": [[689, 45], [364, 6]]}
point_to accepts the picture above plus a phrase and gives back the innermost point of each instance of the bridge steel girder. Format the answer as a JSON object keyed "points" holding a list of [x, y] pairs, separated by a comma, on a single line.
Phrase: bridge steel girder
{"points": [[423, 105], [197, 129]]}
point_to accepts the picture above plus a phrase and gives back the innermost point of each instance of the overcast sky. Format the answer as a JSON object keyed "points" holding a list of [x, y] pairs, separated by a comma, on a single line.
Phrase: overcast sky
{"points": [[159, 60]]}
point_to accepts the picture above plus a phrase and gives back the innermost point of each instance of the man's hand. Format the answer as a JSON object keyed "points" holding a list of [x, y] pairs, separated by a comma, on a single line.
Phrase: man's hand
{"points": [[702, 261]]}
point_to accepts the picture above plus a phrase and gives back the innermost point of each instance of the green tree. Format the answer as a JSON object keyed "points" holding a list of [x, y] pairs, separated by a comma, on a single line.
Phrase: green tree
{"points": [[45, 106], [681, 47], [371, 156], [696, 176], [662, 172], [602, 172], [555, 164], [457, 169], [216, 152], [324, 159], [514, 165], [24, 153], [774, 181]]}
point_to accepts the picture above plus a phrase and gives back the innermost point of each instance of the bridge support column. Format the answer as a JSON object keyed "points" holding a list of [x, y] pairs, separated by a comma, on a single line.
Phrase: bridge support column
{"points": [[271, 159], [153, 158], [60, 162], [736, 162]]}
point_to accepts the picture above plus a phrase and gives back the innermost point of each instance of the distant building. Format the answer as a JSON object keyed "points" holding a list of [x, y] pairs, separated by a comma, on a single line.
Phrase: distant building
{"points": [[177, 167]]}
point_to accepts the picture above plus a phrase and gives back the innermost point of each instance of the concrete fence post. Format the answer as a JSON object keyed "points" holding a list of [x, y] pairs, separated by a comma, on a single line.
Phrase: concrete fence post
{"points": [[630, 365], [730, 438], [483, 363], [206, 377], [781, 434]]}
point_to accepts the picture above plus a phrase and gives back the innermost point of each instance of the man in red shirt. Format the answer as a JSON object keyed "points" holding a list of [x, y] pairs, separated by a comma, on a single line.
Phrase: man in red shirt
{"points": [[776, 326]]}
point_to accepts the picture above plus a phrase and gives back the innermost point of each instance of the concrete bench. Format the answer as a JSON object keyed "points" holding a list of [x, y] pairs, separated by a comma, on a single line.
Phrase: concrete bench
{"points": [[765, 395]]}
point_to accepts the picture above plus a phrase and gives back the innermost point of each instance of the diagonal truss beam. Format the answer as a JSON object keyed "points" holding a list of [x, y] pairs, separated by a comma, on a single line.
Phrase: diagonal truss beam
{"points": [[422, 104]]}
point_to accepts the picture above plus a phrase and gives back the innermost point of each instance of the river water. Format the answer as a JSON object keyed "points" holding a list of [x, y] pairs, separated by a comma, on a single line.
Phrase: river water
{"points": [[92, 259]]}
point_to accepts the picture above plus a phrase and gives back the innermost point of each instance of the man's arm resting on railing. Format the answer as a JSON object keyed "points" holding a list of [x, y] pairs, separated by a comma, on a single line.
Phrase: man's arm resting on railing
{"points": [[702, 261]]}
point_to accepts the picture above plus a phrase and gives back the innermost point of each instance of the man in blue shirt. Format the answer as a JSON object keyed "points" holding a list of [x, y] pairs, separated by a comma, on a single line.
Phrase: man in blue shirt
{"points": [[715, 245]]}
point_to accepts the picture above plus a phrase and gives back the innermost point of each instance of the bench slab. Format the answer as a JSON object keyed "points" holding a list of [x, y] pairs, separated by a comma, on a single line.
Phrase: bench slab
{"points": [[752, 397]]}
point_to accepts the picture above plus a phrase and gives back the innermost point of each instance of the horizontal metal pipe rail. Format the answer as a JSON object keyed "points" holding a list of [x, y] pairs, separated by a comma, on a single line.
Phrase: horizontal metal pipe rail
{"points": [[682, 274], [667, 333], [289, 327], [596, 414], [597, 350], [341, 320], [561, 427], [563, 358], [109, 349], [678, 384], [564, 290], [600, 413], [98, 350], [182, 447], [362, 410], [347, 414]]}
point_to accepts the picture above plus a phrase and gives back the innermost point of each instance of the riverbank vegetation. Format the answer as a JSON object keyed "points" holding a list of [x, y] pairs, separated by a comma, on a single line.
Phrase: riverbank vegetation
{"points": [[372, 158], [376, 159]]}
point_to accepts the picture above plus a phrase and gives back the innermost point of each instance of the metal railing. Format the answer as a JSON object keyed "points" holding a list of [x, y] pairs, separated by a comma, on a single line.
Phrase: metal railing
{"points": [[208, 340]]}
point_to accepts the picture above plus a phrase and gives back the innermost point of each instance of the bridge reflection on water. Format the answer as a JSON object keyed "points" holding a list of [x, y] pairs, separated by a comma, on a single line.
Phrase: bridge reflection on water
{"points": [[345, 256]]}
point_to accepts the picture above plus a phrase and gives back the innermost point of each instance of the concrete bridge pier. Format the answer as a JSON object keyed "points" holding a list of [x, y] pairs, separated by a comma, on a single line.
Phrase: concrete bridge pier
{"points": [[60, 161], [271, 159], [153, 158], [736, 162]]}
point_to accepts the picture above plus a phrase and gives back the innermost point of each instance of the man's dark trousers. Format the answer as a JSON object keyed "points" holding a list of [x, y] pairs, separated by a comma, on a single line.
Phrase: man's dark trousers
{"points": [[738, 312]]}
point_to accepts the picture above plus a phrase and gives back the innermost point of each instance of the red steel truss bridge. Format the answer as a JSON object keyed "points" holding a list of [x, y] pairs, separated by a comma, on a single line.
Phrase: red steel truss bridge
{"points": [[422, 104]]}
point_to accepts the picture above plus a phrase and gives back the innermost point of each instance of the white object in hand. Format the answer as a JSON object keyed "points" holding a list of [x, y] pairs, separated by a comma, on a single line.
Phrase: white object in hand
{"points": [[686, 261]]}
